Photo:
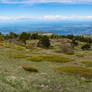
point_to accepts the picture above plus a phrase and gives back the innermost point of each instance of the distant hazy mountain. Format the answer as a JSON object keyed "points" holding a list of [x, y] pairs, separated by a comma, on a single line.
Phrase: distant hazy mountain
{"points": [[58, 27]]}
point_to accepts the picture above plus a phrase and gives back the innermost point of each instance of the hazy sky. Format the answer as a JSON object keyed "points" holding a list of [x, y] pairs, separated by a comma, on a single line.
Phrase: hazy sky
{"points": [[11, 10]]}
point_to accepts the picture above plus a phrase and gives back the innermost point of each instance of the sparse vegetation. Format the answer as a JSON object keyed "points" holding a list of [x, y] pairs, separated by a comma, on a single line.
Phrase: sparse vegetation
{"points": [[86, 47], [80, 38], [18, 57]]}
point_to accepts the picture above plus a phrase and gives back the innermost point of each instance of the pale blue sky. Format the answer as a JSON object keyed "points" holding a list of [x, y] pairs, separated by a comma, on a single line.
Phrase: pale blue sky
{"points": [[46, 9]]}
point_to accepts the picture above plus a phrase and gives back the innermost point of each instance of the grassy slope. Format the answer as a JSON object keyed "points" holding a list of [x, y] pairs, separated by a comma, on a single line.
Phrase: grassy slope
{"points": [[13, 78]]}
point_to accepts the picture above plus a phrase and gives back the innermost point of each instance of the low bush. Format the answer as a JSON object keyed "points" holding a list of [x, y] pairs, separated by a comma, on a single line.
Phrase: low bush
{"points": [[87, 63], [14, 55], [24, 36], [50, 58], [76, 70], [30, 68], [86, 47], [74, 43], [44, 42]]}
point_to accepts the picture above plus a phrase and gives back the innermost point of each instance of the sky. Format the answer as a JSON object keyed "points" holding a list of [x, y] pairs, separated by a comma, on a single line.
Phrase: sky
{"points": [[46, 10]]}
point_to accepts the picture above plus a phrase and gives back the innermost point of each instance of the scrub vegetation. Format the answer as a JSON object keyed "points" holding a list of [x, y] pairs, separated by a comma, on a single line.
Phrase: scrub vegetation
{"points": [[32, 62]]}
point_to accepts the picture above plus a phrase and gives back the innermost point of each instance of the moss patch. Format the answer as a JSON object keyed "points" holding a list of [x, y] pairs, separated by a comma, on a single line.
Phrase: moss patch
{"points": [[50, 58]]}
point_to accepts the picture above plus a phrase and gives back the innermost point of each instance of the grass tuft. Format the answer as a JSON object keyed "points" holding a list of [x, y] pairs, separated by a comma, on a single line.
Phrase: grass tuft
{"points": [[50, 58], [30, 68], [35, 58], [76, 70]]}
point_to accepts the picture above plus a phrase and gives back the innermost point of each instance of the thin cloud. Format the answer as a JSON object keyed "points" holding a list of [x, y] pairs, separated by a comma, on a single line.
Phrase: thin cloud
{"points": [[47, 17], [6, 18], [59, 17], [45, 1]]}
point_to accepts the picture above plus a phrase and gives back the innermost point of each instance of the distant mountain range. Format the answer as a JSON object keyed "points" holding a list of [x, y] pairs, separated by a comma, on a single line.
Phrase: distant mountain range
{"points": [[64, 28]]}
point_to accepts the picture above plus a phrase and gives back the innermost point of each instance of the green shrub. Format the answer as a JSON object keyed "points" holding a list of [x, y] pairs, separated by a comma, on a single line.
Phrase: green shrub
{"points": [[80, 38], [74, 43], [30, 68], [50, 58], [34, 36], [76, 70], [44, 42], [11, 35], [86, 47], [87, 63], [24, 36]]}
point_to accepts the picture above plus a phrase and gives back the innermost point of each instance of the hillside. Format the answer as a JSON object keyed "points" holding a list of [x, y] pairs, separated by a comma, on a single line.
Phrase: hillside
{"points": [[38, 69]]}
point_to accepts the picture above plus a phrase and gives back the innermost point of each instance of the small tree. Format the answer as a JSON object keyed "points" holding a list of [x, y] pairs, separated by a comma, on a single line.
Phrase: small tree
{"points": [[44, 42], [12, 35], [70, 37], [34, 36], [86, 47], [1, 36], [24, 36], [74, 43]]}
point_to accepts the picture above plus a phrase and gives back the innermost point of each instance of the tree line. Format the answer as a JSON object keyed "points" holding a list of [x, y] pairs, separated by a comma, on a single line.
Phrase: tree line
{"points": [[44, 40]]}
